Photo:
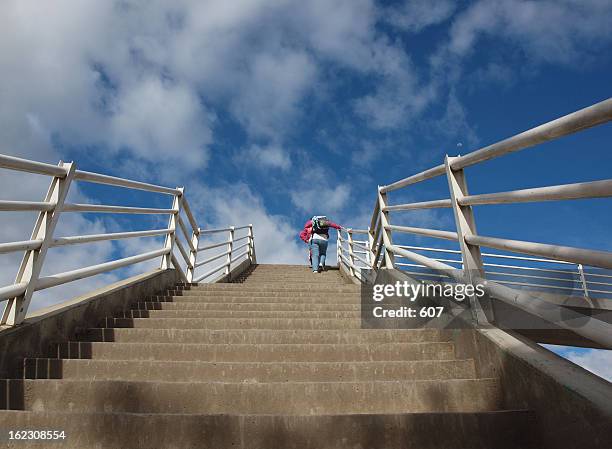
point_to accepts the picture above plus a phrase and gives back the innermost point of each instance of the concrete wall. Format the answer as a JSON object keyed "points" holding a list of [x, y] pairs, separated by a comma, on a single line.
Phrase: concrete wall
{"points": [[573, 406], [236, 271], [35, 336]]}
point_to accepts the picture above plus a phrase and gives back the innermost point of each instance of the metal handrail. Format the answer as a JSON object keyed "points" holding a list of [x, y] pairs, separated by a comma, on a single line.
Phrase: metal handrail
{"points": [[18, 206], [79, 239], [97, 178], [18, 295], [381, 231], [102, 208]]}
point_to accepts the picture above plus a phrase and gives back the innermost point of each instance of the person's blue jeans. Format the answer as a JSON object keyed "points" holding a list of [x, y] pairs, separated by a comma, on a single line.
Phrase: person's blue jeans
{"points": [[318, 248]]}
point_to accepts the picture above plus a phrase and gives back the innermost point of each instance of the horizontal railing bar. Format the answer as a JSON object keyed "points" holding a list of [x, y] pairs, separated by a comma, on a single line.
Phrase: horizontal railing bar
{"points": [[418, 273], [357, 231], [594, 329], [347, 261], [244, 245], [73, 275], [435, 204], [238, 228], [10, 291], [527, 284], [359, 245], [601, 291], [362, 242], [426, 261], [213, 271], [17, 163], [601, 259], [25, 205], [23, 245], [213, 231], [183, 252], [73, 240], [189, 214], [448, 235], [358, 257], [444, 260], [212, 258], [571, 123], [595, 189], [186, 233], [587, 274], [98, 178], [241, 238], [530, 276], [591, 328], [423, 176], [599, 283], [422, 248], [530, 259], [115, 209], [568, 124], [238, 256], [216, 245], [545, 270]]}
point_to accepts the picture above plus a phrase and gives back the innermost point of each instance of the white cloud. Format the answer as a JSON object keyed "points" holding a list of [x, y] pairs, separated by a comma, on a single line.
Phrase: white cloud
{"points": [[415, 15], [276, 240], [316, 191], [268, 99], [162, 122], [399, 95], [559, 31], [271, 156]]}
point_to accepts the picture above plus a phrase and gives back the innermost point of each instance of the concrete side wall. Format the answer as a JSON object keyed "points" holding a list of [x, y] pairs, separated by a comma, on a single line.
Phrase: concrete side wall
{"points": [[573, 406], [236, 271], [35, 336]]}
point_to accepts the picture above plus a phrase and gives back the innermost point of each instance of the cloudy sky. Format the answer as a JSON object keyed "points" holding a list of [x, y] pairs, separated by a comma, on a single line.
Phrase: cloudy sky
{"points": [[270, 111]]}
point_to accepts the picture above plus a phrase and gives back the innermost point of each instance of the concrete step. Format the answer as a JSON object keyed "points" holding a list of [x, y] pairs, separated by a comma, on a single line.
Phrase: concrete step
{"points": [[140, 370], [235, 323], [257, 353], [483, 430], [253, 306], [348, 288], [256, 291], [261, 336], [261, 298], [315, 278], [281, 314], [288, 398], [231, 299]]}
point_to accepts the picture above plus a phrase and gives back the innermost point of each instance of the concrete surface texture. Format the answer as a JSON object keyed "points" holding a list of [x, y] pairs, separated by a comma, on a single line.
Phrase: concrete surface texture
{"points": [[275, 359]]}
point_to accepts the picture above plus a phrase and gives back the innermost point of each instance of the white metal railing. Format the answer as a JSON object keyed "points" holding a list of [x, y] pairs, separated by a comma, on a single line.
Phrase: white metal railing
{"points": [[18, 295], [587, 268]]}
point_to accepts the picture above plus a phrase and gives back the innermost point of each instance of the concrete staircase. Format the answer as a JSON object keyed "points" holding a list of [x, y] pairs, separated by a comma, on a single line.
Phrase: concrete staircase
{"points": [[276, 359]]}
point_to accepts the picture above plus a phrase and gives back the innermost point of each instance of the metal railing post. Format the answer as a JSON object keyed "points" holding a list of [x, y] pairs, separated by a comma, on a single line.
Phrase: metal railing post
{"points": [[193, 254], [350, 251], [370, 251], [251, 240], [482, 311], [339, 248], [585, 289], [386, 233], [166, 261], [230, 245], [33, 260]]}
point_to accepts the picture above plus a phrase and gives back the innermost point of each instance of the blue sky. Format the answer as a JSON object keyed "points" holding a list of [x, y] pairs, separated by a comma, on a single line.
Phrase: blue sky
{"points": [[270, 111]]}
